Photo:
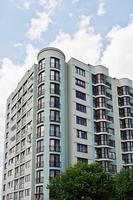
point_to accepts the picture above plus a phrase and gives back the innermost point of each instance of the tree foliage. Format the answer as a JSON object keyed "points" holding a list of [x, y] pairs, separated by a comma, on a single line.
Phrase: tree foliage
{"points": [[123, 185], [81, 181]]}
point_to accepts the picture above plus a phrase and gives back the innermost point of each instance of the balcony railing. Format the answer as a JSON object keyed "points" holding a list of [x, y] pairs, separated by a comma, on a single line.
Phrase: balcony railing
{"points": [[39, 196]]}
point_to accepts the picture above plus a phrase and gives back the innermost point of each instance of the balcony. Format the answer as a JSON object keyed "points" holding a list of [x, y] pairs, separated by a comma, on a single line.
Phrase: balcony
{"points": [[39, 196]]}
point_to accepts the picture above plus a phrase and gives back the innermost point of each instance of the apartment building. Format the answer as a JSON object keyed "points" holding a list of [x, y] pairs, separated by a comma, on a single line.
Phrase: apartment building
{"points": [[61, 113]]}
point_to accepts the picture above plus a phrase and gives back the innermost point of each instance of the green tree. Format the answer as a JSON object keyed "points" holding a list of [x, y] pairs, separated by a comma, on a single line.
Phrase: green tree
{"points": [[123, 185], [81, 181]]}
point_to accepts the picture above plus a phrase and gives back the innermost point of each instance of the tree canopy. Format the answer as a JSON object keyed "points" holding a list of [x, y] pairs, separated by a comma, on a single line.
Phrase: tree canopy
{"points": [[123, 185], [81, 181]]}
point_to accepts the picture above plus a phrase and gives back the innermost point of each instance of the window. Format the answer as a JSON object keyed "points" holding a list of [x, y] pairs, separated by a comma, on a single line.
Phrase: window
{"points": [[80, 95], [101, 127], [100, 114], [27, 192], [41, 103], [54, 130], [21, 183], [82, 148], [40, 161], [54, 102], [81, 134], [80, 83], [40, 131], [54, 63], [79, 71], [41, 65], [54, 145], [40, 146], [99, 90], [100, 102], [54, 115], [80, 107], [81, 121], [41, 90], [41, 77], [54, 173], [98, 78], [39, 192], [83, 160], [54, 160], [54, 88], [54, 75], [39, 176], [40, 117], [22, 167], [27, 178]]}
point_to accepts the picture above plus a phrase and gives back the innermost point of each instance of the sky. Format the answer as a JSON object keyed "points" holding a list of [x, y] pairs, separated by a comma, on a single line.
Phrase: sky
{"points": [[93, 31]]}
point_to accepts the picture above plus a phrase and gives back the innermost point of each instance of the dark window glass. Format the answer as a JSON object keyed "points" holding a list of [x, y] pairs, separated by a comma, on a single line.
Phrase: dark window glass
{"points": [[39, 192], [55, 63], [54, 116], [54, 160], [41, 77], [54, 88], [54, 102], [54, 145], [101, 126], [80, 95], [40, 117], [40, 176], [41, 90], [81, 121], [54, 130], [99, 90], [80, 107], [83, 160], [54, 173], [40, 161], [79, 71], [41, 103], [80, 82], [41, 64], [40, 131], [81, 134], [40, 146], [82, 148], [54, 75]]}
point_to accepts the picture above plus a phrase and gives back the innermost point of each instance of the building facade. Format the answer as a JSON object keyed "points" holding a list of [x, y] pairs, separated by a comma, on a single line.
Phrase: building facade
{"points": [[61, 113]]}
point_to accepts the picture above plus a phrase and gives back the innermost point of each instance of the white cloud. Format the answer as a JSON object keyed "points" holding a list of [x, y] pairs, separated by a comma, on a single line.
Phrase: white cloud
{"points": [[22, 4], [84, 44], [101, 8], [118, 55], [49, 4], [17, 45], [39, 25]]}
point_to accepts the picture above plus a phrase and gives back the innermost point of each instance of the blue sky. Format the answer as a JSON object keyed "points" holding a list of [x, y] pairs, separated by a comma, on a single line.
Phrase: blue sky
{"points": [[93, 31]]}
